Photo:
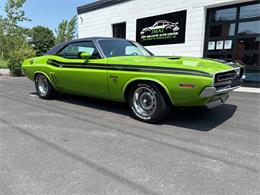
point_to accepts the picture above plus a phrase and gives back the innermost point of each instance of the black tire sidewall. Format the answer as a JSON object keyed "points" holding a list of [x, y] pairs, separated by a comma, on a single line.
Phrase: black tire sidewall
{"points": [[162, 108], [168, 29]]}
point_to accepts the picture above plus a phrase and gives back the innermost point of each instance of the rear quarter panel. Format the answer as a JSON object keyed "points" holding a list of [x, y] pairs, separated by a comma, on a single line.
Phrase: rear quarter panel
{"points": [[36, 65]]}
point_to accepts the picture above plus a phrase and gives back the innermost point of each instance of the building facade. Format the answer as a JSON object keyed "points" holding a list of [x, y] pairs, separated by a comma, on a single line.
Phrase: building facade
{"points": [[223, 29]]}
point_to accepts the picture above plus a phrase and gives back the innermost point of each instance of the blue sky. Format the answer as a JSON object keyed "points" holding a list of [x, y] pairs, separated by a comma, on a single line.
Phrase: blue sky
{"points": [[48, 12]]}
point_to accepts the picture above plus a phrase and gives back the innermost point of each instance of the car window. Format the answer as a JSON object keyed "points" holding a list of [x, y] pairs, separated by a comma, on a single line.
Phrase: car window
{"points": [[73, 50], [112, 48], [133, 51]]}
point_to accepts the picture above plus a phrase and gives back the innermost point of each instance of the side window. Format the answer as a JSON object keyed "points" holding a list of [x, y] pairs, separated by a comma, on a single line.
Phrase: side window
{"points": [[73, 50], [132, 51]]}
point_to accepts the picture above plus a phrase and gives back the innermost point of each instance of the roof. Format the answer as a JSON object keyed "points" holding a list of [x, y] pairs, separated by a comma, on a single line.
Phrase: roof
{"points": [[58, 47], [98, 5], [162, 21]]}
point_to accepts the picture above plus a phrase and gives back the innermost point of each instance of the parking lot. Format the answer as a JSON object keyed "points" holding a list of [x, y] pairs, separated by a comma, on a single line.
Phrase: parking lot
{"points": [[78, 145]]}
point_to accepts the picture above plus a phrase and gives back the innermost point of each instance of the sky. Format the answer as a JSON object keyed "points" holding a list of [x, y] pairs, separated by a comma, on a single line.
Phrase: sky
{"points": [[48, 12]]}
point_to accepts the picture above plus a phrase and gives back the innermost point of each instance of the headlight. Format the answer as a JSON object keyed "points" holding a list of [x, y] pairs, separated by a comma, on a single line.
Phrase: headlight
{"points": [[238, 71]]}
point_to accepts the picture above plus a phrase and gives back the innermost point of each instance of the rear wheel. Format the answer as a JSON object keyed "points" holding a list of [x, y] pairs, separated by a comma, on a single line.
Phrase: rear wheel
{"points": [[44, 88], [148, 102]]}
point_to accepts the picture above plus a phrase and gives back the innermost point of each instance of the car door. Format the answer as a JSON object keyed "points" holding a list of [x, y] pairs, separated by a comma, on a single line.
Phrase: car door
{"points": [[82, 76]]}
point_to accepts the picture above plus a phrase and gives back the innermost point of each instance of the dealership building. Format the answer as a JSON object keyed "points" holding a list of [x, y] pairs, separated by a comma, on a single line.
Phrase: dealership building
{"points": [[221, 29]]}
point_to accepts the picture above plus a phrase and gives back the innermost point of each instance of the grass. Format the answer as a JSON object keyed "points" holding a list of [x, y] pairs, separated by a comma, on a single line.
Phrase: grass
{"points": [[3, 63]]}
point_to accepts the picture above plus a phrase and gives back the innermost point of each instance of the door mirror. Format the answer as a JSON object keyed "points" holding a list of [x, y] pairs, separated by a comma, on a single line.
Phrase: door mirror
{"points": [[84, 55]]}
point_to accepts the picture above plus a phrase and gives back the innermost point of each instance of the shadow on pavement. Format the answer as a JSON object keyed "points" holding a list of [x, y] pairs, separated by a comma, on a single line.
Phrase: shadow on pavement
{"points": [[201, 119]]}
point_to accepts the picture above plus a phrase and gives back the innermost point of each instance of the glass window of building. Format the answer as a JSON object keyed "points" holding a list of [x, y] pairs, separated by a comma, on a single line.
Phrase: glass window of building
{"points": [[225, 14], [250, 11], [233, 34]]}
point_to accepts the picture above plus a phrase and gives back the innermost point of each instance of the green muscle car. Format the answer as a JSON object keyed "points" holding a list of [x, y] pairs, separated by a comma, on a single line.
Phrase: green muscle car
{"points": [[122, 70]]}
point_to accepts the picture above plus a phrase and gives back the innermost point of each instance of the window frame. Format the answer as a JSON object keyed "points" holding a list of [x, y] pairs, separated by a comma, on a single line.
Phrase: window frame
{"points": [[75, 42], [234, 38]]}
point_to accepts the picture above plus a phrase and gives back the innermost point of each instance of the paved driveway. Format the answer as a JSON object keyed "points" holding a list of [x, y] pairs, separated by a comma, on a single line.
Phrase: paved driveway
{"points": [[77, 145]]}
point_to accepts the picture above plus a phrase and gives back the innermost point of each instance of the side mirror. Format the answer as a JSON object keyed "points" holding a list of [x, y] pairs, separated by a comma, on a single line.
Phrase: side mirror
{"points": [[84, 55]]}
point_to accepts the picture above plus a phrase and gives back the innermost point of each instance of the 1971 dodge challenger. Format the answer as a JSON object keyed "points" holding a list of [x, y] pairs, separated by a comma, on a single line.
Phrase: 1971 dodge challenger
{"points": [[122, 70]]}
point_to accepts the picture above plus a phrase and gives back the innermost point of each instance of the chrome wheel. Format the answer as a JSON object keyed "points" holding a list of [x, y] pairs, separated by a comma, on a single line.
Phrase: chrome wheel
{"points": [[144, 101], [42, 85]]}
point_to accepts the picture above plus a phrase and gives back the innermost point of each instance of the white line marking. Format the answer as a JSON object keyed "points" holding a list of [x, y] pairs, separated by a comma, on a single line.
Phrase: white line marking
{"points": [[248, 90]]}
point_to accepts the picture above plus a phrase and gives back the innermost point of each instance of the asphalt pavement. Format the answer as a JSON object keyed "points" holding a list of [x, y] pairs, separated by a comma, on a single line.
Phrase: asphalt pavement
{"points": [[79, 145]]}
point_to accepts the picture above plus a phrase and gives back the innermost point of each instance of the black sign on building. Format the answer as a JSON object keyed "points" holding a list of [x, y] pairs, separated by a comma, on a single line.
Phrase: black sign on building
{"points": [[162, 29]]}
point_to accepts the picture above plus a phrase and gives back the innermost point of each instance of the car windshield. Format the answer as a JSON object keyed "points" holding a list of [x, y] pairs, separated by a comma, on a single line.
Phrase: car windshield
{"points": [[112, 48]]}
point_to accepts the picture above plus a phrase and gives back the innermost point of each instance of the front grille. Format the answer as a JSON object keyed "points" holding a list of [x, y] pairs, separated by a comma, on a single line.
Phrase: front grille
{"points": [[228, 79], [225, 76]]}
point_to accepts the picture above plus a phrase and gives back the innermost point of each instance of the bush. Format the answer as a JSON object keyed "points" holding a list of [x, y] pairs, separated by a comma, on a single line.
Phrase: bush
{"points": [[16, 59], [3, 63]]}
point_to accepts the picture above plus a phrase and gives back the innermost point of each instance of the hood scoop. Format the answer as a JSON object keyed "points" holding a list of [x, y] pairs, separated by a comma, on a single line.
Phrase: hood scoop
{"points": [[174, 58]]}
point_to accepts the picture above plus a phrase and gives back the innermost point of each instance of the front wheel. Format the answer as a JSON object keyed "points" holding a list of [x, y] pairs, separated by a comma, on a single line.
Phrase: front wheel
{"points": [[44, 88], [148, 102]]}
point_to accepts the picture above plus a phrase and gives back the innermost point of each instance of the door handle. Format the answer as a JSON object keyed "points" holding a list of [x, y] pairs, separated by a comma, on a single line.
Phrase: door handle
{"points": [[114, 78]]}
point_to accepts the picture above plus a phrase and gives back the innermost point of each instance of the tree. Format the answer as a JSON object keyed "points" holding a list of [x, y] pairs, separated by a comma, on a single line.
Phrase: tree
{"points": [[71, 28], [1, 37], [66, 30], [61, 32], [14, 35], [42, 39], [15, 45]]}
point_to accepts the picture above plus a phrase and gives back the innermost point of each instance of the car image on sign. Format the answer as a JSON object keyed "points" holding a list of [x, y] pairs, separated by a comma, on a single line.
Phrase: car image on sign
{"points": [[161, 26], [124, 71]]}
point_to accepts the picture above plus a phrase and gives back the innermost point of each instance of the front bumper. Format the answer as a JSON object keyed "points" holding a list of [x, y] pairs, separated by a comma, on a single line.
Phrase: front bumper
{"points": [[218, 102], [212, 91], [219, 94]]}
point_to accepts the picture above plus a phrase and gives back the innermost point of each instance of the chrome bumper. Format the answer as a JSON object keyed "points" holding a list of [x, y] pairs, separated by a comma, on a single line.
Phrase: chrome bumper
{"points": [[211, 91], [218, 102]]}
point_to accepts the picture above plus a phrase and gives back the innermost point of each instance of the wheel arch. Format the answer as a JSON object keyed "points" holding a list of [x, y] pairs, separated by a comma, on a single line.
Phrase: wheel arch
{"points": [[162, 86], [47, 76]]}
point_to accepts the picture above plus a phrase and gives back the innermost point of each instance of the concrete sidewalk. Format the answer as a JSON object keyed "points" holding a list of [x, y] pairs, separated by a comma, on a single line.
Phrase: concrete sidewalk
{"points": [[248, 90], [4, 72]]}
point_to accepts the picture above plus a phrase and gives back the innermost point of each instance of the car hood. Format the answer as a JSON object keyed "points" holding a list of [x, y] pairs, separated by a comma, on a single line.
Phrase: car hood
{"points": [[210, 66]]}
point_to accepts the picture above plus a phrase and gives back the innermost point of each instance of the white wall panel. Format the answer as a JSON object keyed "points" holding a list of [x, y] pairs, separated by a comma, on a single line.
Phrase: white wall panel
{"points": [[99, 22]]}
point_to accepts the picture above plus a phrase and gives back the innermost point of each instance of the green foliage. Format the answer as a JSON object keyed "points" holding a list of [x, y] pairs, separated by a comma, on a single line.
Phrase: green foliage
{"points": [[42, 39], [61, 32], [13, 36], [17, 57], [14, 46], [18, 43], [71, 28], [14, 12], [3, 63], [66, 30]]}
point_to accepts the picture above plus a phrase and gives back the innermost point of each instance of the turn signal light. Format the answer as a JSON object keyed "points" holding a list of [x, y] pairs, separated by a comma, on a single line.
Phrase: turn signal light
{"points": [[187, 85]]}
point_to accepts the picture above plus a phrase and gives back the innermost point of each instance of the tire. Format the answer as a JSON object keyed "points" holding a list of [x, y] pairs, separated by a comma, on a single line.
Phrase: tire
{"points": [[168, 29], [148, 102], [148, 32], [44, 88]]}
